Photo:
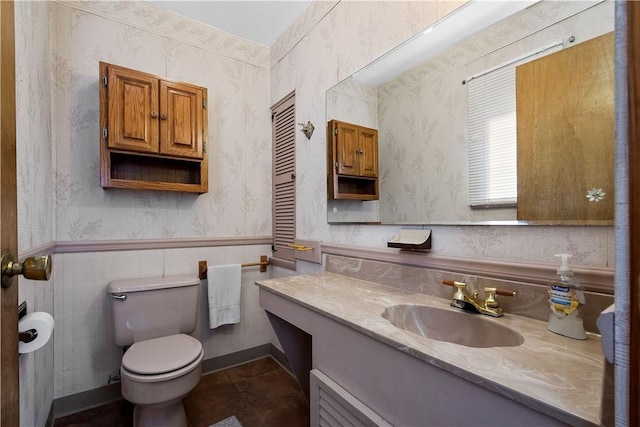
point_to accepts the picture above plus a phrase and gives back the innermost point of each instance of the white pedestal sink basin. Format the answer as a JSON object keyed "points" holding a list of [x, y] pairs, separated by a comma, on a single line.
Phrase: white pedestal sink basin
{"points": [[458, 327]]}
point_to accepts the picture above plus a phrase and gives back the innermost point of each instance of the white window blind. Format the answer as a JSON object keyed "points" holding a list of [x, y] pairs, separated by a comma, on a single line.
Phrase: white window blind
{"points": [[492, 138], [493, 179]]}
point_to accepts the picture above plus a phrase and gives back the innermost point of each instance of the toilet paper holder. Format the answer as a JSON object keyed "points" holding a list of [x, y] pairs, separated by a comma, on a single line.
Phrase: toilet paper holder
{"points": [[38, 327], [27, 336], [31, 334]]}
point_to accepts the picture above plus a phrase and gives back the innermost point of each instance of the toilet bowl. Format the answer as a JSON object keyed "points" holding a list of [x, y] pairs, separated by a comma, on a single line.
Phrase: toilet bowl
{"points": [[157, 374], [162, 364]]}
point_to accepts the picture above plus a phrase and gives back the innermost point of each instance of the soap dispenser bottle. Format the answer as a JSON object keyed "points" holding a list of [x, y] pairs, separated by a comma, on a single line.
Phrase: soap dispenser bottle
{"points": [[566, 302]]}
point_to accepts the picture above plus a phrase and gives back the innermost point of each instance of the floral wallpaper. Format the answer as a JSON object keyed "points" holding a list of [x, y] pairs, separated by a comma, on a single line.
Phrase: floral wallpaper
{"points": [[143, 37], [423, 113], [322, 49]]}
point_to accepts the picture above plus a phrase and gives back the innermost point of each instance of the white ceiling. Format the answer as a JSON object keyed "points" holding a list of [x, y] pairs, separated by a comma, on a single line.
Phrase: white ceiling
{"points": [[261, 21]]}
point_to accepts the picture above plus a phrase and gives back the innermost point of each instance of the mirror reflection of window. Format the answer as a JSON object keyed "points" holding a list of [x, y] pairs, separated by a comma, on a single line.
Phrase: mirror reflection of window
{"points": [[493, 178], [492, 139]]}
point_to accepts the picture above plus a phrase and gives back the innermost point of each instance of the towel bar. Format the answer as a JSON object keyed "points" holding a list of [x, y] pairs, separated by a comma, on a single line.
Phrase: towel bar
{"points": [[264, 262]]}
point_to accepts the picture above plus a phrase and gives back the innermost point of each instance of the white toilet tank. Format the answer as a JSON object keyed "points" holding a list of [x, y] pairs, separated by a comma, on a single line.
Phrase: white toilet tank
{"points": [[153, 307]]}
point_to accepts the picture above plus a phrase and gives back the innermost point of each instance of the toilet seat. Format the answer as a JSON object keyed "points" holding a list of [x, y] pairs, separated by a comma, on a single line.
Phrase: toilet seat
{"points": [[162, 357]]}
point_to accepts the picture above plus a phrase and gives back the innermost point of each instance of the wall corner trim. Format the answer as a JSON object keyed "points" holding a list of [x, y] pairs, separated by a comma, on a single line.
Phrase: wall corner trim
{"points": [[64, 247]]}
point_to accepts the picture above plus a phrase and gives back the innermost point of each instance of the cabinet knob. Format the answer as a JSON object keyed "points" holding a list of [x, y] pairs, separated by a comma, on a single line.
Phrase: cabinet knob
{"points": [[154, 115], [163, 116]]}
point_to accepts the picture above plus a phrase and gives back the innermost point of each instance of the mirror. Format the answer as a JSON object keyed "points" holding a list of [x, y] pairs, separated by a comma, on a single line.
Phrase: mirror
{"points": [[415, 98]]}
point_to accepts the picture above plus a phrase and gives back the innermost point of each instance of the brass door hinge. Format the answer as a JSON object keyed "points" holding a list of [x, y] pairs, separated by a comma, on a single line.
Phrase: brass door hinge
{"points": [[105, 82], [105, 133], [204, 103]]}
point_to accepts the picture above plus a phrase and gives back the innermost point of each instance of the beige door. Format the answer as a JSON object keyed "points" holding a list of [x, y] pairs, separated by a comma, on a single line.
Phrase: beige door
{"points": [[633, 80], [9, 393]]}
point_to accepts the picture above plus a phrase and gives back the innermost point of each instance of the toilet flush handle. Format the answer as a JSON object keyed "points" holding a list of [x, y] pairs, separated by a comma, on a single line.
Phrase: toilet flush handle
{"points": [[121, 297]]}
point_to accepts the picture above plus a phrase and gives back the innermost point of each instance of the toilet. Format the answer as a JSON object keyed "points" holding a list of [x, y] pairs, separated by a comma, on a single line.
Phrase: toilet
{"points": [[162, 364]]}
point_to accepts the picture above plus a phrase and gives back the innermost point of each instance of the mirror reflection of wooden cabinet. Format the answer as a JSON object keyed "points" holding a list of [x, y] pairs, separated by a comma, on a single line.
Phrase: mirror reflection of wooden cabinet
{"points": [[352, 161], [565, 127], [153, 130]]}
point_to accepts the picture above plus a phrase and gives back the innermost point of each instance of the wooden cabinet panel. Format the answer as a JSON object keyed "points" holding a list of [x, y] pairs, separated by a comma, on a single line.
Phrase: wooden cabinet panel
{"points": [[181, 120], [368, 152], [352, 161], [153, 132], [357, 149], [347, 148], [565, 123], [133, 110]]}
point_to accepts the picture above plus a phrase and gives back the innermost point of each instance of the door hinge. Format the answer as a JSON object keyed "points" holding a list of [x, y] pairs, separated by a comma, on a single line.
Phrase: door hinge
{"points": [[273, 117], [335, 131], [105, 133], [105, 82], [204, 146], [204, 103], [337, 165], [273, 248]]}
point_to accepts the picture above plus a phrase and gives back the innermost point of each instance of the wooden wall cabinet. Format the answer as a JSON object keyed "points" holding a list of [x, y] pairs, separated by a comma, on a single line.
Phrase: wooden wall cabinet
{"points": [[153, 132], [352, 161]]}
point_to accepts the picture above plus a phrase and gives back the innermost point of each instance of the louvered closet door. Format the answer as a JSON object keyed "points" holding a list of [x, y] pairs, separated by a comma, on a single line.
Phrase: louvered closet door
{"points": [[284, 168]]}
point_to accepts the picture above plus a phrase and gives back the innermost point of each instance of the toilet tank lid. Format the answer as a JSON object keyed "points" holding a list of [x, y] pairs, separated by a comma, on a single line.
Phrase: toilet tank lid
{"points": [[151, 283]]}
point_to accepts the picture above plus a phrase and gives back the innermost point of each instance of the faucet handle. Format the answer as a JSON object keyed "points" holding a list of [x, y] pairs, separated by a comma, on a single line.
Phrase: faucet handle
{"points": [[453, 283], [491, 300], [460, 287]]}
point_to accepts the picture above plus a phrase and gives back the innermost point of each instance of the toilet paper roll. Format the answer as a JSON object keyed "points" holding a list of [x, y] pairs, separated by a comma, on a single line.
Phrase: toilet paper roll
{"points": [[41, 322]]}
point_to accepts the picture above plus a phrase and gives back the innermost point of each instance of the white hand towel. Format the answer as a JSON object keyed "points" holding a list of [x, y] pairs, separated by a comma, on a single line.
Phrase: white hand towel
{"points": [[223, 288]]}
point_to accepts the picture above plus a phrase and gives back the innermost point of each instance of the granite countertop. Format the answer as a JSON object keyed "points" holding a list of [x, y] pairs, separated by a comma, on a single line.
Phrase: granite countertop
{"points": [[548, 372]]}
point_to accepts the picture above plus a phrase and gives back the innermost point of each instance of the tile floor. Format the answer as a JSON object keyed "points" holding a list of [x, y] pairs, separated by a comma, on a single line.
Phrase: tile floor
{"points": [[259, 393]]}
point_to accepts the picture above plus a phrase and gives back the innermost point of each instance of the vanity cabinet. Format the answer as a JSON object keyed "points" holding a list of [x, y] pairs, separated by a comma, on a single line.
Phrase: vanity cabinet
{"points": [[383, 383], [352, 161], [153, 132]]}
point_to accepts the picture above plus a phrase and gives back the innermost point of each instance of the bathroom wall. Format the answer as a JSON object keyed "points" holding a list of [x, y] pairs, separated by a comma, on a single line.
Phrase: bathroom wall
{"points": [[141, 36], [34, 154], [85, 354], [58, 46], [331, 41]]}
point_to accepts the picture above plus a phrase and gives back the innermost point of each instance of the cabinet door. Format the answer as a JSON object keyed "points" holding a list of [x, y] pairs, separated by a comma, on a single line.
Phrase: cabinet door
{"points": [[347, 149], [368, 153], [181, 112], [133, 110]]}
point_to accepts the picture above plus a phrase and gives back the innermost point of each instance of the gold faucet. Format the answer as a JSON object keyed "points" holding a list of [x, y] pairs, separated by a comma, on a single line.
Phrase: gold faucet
{"points": [[490, 306]]}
